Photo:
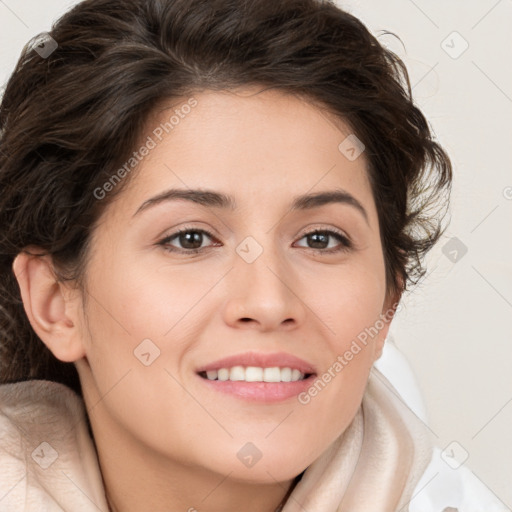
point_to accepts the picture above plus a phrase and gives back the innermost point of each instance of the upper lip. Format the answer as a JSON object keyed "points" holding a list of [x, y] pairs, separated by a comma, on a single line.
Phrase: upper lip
{"points": [[280, 359]]}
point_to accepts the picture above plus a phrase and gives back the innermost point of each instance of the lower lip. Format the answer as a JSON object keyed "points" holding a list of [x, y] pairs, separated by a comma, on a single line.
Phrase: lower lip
{"points": [[265, 392]]}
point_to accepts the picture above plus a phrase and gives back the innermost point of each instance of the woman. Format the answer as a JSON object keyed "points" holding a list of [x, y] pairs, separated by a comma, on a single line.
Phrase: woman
{"points": [[210, 211]]}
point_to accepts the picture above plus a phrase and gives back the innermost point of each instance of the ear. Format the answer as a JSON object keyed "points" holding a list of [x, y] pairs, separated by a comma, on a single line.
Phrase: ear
{"points": [[51, 306], [388, 312]]}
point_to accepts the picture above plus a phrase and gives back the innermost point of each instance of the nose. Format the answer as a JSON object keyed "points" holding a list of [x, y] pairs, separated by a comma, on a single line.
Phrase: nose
{"points": [[264, 294]]}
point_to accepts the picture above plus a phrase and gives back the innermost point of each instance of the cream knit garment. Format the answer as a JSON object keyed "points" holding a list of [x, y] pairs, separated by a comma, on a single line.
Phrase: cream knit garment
{"points": [[48, 462], [374, 465]]}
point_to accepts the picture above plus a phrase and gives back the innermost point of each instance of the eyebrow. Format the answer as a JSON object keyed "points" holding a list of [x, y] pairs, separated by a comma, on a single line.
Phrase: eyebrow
{"points": [[213, 199]]}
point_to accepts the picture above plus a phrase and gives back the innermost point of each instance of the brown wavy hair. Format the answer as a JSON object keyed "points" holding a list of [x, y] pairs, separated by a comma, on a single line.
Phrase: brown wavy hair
{"points": [[68, 120]]}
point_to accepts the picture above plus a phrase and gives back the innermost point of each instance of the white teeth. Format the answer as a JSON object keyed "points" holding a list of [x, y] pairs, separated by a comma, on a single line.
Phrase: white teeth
{"points": [[255, 374], [286, 374], [223, 374], [272, 375], [237, 373]]}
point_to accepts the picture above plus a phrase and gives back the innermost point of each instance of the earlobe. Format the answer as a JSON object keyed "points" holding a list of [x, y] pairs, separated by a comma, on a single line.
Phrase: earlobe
{"points": [[50, 305]]}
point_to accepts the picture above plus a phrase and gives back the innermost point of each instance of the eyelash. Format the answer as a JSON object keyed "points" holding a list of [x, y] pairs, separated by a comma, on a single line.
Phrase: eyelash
{"points": [[345, 242]]}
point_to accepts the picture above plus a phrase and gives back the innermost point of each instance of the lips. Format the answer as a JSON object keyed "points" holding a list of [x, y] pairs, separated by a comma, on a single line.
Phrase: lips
{"points": [[279, 359]]}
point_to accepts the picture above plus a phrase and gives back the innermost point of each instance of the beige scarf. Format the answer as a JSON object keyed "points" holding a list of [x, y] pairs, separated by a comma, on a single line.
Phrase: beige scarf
{"points": [[48, 461], [374, 465]]}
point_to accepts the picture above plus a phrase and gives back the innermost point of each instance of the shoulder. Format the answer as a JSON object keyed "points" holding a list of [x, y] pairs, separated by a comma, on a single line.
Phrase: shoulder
{"points": [[37, 396], [30, 410], [447, 485], [47, 457]]}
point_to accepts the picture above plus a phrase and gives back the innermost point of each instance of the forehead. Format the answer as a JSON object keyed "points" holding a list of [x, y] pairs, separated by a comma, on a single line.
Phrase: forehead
{"points": [[247, 142], [253, 116]]}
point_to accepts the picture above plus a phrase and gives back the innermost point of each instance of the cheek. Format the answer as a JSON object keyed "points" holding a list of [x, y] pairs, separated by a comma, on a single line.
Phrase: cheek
{"points": [[138, 314], [351, 300], [351, 307], [144, 302], [124, 311]]}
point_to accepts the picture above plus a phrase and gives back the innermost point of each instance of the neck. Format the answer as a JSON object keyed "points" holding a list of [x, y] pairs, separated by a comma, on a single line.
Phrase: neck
{"points": [[114, 508], [225, 496], [135, 478]]}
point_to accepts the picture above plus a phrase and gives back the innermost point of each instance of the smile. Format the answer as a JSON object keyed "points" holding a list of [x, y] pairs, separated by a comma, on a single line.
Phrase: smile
{"points": [[255, 374]]}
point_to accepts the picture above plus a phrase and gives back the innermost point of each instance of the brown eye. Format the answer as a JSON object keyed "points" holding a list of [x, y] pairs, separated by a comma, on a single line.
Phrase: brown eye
{"points": [[189, 240], [325, 241]]}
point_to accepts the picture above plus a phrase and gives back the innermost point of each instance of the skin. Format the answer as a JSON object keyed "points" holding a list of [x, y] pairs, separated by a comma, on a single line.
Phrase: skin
{"points": [[165, 441]]}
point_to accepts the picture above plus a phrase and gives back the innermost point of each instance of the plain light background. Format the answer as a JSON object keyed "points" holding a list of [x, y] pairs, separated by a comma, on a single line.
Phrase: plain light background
{"points": [[455, 328]]}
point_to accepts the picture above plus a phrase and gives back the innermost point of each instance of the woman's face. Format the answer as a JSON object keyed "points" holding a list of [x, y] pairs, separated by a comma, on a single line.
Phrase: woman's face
{"points": [[246, 277]]}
